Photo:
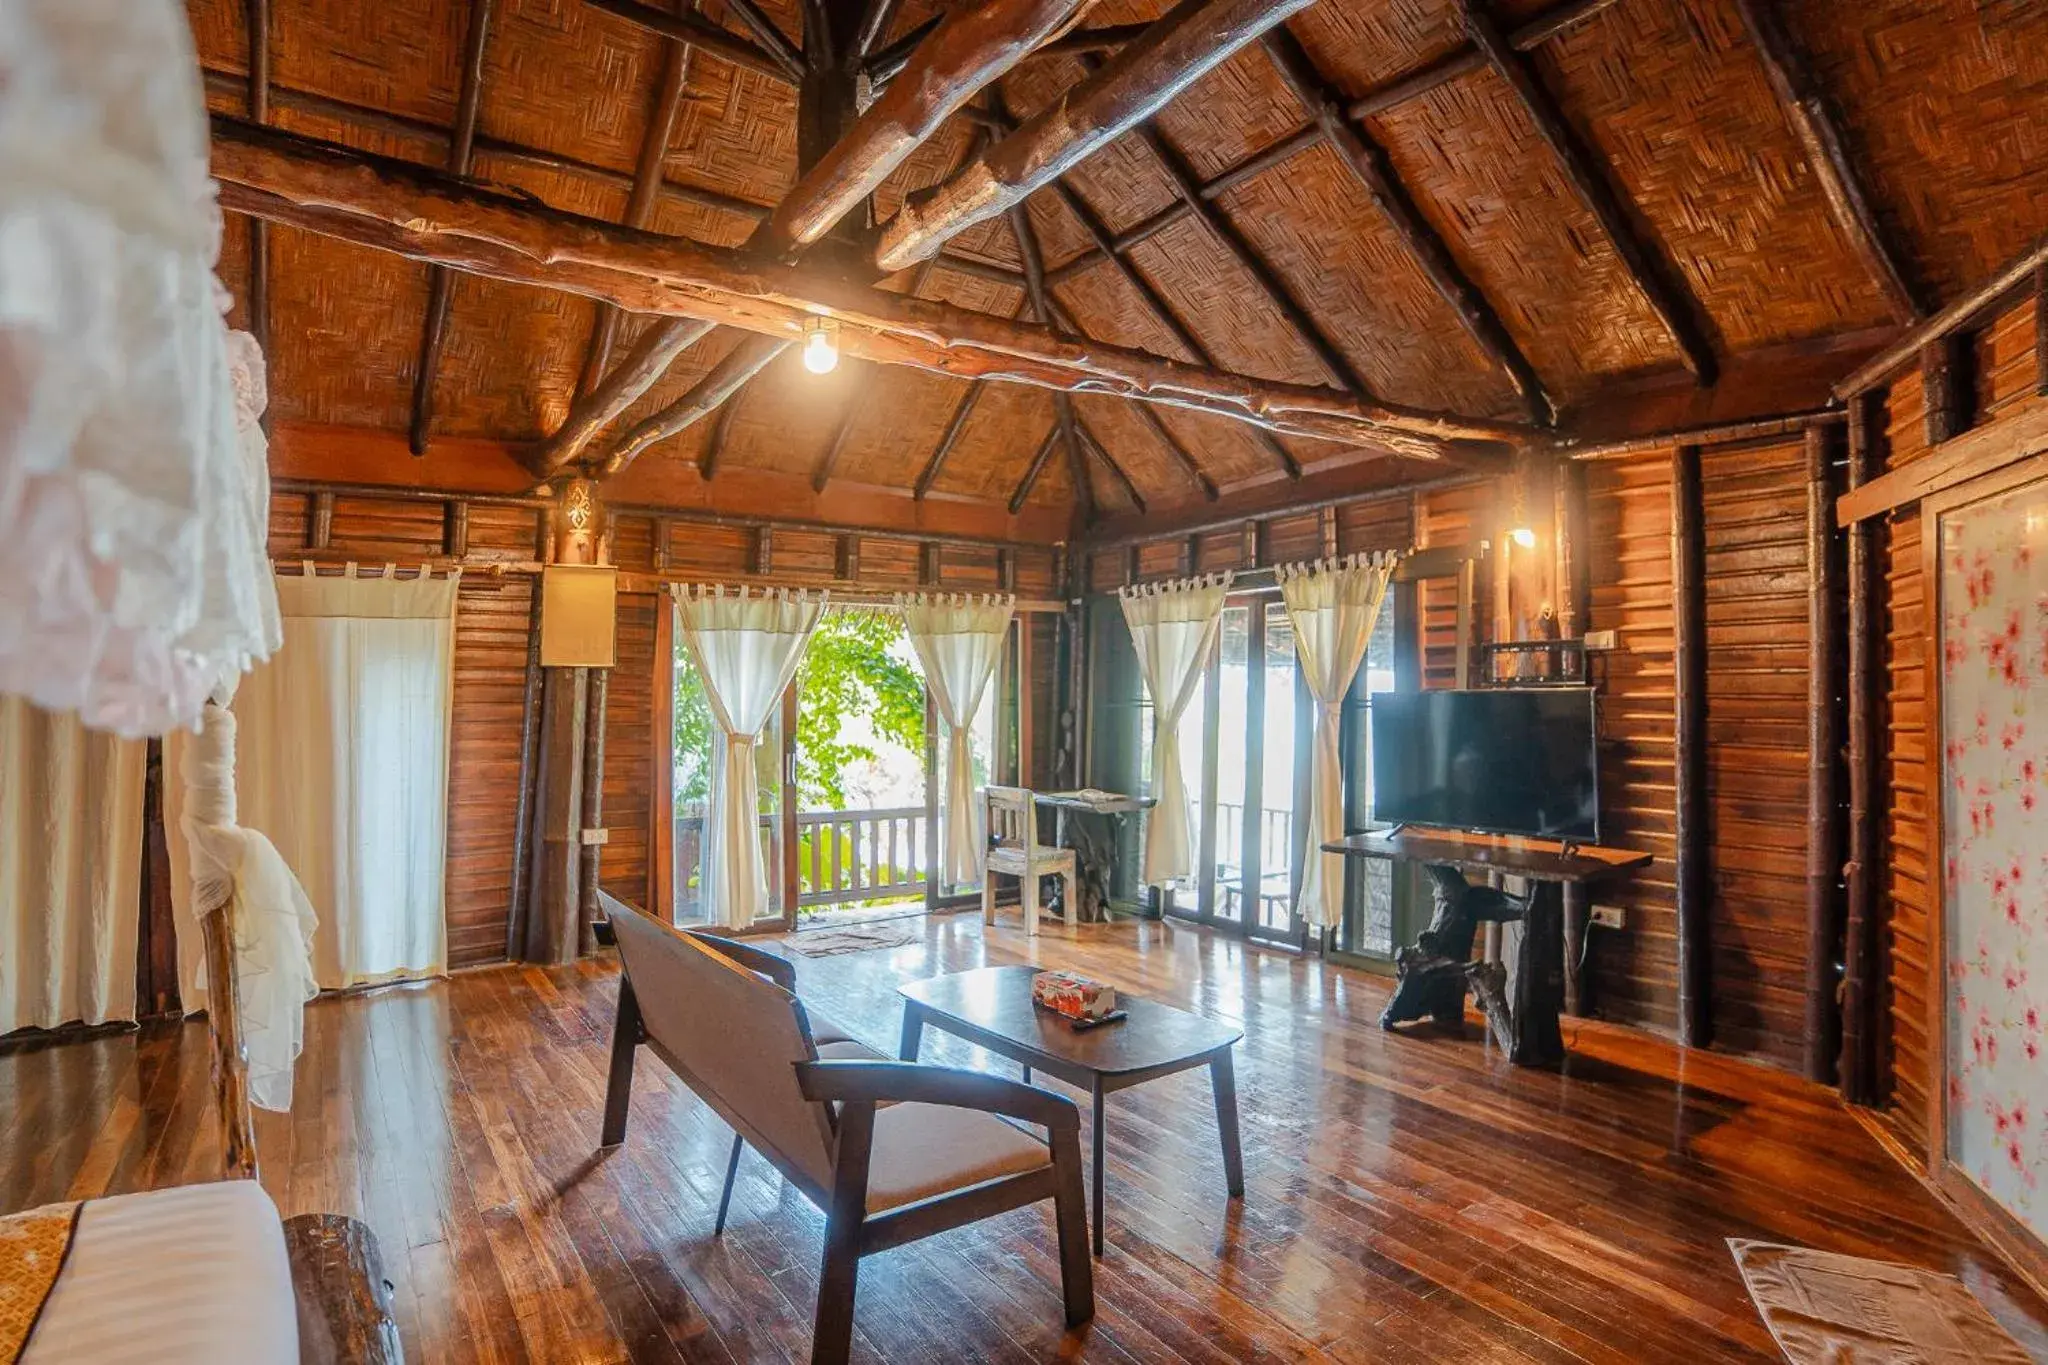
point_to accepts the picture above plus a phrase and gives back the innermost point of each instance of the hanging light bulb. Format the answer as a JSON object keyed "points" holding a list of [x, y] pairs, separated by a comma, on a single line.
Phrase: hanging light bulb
{"points": [[1524, 537], [821, 345]]}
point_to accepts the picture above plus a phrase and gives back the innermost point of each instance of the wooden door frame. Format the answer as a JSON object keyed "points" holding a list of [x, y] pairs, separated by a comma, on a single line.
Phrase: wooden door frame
{"points": [[2027, 1253]]}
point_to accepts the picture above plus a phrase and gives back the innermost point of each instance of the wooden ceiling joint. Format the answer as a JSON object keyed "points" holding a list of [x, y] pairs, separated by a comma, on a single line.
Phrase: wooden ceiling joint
{"points": [[690, 27], [1035, 468], [1033, 260], [724, 379]]}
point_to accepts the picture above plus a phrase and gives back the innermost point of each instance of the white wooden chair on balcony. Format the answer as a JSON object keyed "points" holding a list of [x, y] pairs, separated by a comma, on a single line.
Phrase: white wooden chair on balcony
{"points": [[1014, 851]]}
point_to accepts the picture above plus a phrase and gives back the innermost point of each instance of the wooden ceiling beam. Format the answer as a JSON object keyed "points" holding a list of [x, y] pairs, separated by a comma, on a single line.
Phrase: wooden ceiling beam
{"points": [[427, 215], [970, 49], [1117, 471], [1659, 284], [948, 438], [829, 461], [1257, 163], [652, 354], [771, 36], [692, 28], [1035, 468], [721, 431], [441, 280], [1375, 174], [1033, 261], [646, 194], [1814, 121], [1464, 60], [1183, 45], [725, 379]]}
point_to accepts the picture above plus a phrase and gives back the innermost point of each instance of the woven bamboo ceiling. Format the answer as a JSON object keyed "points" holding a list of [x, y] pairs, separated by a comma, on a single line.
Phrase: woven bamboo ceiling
{"points": [[1615, 199]]}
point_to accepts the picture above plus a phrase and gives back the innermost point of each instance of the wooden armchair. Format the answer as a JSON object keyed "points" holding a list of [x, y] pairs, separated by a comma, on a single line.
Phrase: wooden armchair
{"points": [[1014, 851], [891, 1151]]}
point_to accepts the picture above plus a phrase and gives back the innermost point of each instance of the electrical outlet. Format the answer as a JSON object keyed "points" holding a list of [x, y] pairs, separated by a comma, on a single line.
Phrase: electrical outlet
{"points": [[1608, 916]]}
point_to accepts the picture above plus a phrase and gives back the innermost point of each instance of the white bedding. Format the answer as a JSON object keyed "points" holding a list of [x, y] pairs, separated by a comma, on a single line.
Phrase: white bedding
{"points": [[195, 1275]]}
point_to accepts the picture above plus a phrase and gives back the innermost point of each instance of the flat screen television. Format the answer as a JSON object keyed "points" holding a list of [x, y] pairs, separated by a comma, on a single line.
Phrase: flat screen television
{"points": [[1505, 761]]}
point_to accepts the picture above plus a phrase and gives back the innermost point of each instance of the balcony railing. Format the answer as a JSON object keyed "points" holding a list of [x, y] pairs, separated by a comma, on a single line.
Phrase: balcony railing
{"points": [[844, 857]]}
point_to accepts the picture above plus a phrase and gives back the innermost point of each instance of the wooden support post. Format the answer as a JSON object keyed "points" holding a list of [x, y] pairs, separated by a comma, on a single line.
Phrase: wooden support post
{"points": [[661, 812], [761, 555], [1823, 747], [230, 1053], [846, 558], [455, 529], [1191, 555], [589, 855], [659, 549], [1573, 601], [1027, 701], [1694, 854], [1132, 564], [553, 932], [2041, 329], [1861, 989], [519, 896], [320, 525], [1945, 383], [1326, 531], [928, 564], [1251, 550]]}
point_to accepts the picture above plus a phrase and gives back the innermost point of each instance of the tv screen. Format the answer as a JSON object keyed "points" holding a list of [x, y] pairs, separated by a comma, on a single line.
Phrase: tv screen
{"points": [[1510, 761]]}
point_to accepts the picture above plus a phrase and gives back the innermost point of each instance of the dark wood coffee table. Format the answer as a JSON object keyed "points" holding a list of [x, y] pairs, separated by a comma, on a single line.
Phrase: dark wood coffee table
{"points": [[992, 1007]]}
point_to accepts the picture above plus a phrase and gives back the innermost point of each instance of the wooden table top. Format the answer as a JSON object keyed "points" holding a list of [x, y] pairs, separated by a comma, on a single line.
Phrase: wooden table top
{"points": [[1544, 860], [996, 1001]]}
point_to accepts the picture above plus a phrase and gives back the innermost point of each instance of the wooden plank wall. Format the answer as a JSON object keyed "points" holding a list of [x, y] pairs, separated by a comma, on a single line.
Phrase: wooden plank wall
{"points": [[491, 621], [2006, 378], [1634, 972], [1757, 637], [1454, 516]]}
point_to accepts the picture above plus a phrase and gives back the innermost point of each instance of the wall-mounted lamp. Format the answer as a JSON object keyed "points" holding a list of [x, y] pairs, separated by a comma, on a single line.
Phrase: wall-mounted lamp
{"points": [[1524, 537], [821, 345]]}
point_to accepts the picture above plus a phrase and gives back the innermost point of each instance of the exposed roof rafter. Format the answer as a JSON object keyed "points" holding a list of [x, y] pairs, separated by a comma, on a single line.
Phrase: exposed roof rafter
{"points": [[1674, 306]]}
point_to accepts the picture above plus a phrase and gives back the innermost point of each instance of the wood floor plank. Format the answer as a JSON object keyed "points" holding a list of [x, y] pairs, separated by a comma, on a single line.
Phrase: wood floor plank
{"points": [[1410, 1197]]}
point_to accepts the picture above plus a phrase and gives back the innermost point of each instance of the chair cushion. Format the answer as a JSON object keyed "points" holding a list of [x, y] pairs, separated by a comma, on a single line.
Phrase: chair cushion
{"points": [[825, 1032], [922, 1150], [848, 1050]]}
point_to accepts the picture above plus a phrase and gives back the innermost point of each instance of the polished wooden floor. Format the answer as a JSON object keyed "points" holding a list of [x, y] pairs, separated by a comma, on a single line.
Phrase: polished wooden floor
{"points": [[1409, 1198]]}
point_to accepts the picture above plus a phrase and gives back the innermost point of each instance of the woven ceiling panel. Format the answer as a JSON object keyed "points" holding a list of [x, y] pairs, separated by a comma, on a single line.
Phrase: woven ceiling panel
{"points": [[1946, 107]]}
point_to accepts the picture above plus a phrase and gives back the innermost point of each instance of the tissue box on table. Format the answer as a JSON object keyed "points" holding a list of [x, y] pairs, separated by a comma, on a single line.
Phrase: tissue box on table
{"points": [[1074, 996]]}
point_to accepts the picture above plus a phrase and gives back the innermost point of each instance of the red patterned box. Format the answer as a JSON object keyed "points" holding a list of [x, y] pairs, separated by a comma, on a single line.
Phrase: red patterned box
{"points": [[1074, 996]]}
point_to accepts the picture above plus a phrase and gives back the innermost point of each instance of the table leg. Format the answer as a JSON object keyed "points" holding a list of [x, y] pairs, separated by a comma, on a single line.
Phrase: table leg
{"points": [[1538, 991], [1223, 1080], [913, 1031], [1095, 1175]]}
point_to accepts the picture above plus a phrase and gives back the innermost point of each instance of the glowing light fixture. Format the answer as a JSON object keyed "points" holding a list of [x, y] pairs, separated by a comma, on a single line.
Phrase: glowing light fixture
{"points": [[1524, 537], [821, 345]]}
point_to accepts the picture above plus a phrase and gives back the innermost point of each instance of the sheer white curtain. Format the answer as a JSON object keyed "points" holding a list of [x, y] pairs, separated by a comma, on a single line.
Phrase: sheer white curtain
{"points": [[344, 764], [959, 641], [1333, 605], [70, 869], [747, 644], [1173, 628]]}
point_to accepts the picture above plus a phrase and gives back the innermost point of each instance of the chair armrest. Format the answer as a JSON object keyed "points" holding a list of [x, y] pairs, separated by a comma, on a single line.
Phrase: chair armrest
{"points": [[780, 970], [921, 1083]]}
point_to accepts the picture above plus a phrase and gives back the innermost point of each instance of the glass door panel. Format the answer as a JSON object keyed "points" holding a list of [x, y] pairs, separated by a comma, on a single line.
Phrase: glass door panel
{"points": [[1270, 899], [1233, 770]]}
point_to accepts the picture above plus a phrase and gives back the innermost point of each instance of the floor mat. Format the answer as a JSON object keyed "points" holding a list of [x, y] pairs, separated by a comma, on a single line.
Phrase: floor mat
{"points": [[859, 939], [1838, 1310]]}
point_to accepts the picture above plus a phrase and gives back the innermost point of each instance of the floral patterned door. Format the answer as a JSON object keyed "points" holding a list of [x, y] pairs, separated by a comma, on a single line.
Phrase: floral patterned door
{"points": [[1994, 728]]}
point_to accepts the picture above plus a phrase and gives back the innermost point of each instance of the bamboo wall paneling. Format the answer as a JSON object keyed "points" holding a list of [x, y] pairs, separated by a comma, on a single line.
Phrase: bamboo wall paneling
{"points": [[1691, 830], [1862, 995]]}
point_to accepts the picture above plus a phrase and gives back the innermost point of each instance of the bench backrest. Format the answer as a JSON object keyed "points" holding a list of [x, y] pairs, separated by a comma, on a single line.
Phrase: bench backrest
{"points": [[734, 1037]]}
